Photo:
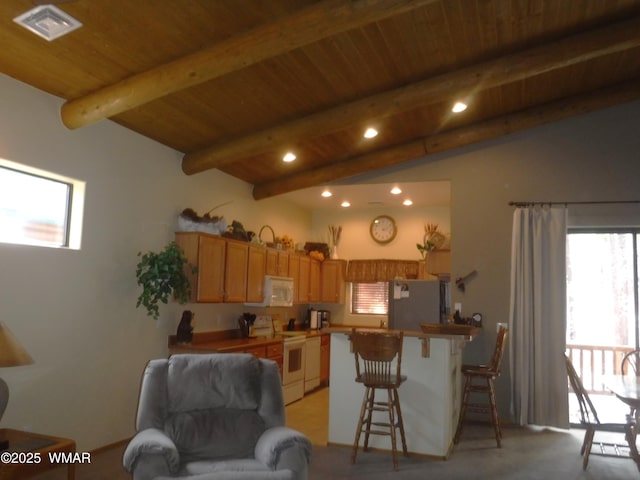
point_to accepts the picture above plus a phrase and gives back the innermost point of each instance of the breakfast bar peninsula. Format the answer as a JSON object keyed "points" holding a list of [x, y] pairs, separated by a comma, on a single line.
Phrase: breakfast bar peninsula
{"points": [[429, 399]]}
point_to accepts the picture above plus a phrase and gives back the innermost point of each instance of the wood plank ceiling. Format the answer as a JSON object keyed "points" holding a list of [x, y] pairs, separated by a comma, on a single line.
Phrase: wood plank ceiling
{"points": [[234, 84]]}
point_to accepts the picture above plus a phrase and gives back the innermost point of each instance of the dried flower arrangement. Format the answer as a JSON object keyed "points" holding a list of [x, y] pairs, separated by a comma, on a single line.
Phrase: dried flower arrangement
{"points": [[335, 231], [431, 240]]}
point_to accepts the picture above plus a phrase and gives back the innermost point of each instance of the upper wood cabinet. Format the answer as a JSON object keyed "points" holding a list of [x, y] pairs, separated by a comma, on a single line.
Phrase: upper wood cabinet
{"points": [[314, 281], [277, 262], [303, 279], [255, 273], [294, 272], [207, 253], [235, 271], [307, 285], [222, 267], [332, 285]]}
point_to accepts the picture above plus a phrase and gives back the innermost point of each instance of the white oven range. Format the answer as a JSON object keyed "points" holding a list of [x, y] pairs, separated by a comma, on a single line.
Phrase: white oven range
{"points": [[293, 366]]}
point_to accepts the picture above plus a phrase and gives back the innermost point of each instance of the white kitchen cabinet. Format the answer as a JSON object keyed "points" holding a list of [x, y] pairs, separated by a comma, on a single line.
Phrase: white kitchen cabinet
{"points": [[312, 364]]}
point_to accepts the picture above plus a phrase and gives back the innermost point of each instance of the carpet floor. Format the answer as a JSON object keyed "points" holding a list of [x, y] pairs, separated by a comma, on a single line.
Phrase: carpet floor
{"points": [[526, 454]]}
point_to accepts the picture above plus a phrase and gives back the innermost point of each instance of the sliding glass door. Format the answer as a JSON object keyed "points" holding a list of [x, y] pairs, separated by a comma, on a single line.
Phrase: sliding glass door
{"points": [[602, 301]]}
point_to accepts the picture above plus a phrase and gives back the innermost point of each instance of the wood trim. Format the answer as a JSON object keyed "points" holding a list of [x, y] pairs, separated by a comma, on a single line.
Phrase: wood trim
{"points": [[546, 58], [307, 26]]}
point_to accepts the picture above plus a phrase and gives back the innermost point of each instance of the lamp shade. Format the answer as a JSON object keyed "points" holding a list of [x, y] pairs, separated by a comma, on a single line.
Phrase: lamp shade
{"points": [[12, 354]]}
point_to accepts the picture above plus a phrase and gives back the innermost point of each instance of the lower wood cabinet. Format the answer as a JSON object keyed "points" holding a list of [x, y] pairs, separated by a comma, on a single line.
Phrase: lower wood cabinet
{"points": [[275, 353], [260, 352], [272, 351]]}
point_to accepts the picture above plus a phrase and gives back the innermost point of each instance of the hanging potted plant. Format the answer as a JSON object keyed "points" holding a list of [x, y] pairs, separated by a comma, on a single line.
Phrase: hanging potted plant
{"points": [[160, 275]]}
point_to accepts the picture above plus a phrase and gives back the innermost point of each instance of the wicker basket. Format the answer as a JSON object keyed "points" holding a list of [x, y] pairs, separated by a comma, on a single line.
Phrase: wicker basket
{"points": [[272, 243]]}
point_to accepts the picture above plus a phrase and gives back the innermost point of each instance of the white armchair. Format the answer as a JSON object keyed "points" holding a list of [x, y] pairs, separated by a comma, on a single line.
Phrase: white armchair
{"points": [[218, 416]]}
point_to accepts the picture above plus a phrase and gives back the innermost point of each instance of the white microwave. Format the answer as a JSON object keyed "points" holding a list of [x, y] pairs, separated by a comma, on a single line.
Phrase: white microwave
{"points": [[278, 292]]}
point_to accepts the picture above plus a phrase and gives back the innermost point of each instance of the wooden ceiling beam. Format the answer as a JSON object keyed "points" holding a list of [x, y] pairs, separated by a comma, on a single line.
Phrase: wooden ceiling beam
{"points": [[321, 20], [494, 73], [459, 137]]}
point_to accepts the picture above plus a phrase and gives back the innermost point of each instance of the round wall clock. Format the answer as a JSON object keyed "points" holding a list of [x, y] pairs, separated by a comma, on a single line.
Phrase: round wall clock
{"points": [[383, 229]]}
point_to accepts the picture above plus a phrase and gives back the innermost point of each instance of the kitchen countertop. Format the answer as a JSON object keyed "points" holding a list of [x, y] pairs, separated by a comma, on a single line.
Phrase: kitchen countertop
{"points": [[215, 341], [347, 329]]}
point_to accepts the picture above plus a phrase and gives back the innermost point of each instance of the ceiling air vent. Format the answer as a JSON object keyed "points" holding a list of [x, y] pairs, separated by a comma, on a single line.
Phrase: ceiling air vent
{"points": [[48, 21]]}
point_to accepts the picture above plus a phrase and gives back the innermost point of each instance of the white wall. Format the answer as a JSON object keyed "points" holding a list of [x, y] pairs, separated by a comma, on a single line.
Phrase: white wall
{"points": [[356, 243], [74, 311]]}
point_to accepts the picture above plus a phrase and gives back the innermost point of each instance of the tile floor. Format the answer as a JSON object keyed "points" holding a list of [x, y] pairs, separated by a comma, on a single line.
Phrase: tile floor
{"points": [[310, 415]]}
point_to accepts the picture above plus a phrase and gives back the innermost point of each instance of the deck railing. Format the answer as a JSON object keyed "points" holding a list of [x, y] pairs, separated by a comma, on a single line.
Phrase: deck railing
{"points": [[593, 362]]}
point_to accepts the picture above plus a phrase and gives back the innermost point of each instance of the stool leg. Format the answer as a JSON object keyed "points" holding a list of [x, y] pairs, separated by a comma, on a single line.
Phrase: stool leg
{"points": [[365, 400], [370, 408], [392, 427], [463, 408], [396, 400], [494, 412]]}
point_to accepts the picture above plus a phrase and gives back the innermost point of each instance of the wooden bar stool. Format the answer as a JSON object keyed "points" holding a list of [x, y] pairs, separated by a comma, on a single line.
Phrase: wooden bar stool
{"points": [[375, 354], [479, 379]]}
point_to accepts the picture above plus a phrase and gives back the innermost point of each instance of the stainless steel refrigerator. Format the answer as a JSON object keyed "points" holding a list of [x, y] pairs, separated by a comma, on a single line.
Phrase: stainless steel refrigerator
{"points": [[412, 302]]}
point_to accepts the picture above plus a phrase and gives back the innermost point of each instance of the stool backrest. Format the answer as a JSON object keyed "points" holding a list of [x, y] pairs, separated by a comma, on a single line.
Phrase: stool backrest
{"points": [[498, 352], [375, 353]]}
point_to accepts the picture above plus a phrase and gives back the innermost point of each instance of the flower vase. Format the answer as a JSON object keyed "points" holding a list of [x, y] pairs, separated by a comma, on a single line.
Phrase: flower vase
{"points": [[334, 252]]}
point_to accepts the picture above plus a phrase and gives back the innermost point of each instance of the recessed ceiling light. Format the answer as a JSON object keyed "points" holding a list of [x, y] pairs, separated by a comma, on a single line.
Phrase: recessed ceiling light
{"points": [[48, 22], [459, 107], [326, 194], [289, 157], [370, 133], [396, 191], [407, 203], [345, 204]]}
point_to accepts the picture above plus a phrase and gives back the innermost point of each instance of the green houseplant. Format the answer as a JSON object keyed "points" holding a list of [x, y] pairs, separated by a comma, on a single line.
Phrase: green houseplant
{"points": [[160, 275]]}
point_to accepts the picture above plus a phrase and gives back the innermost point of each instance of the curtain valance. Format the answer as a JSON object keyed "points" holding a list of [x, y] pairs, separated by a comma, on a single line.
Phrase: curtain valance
{"points": [[381, 270]]}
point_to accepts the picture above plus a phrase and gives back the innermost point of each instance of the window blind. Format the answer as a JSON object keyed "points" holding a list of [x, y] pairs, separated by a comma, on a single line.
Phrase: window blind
{"points": [[370, 298]]}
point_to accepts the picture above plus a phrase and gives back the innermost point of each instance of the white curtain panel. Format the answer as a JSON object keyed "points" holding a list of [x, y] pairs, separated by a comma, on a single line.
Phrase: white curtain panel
{"points": [[537, 317]]}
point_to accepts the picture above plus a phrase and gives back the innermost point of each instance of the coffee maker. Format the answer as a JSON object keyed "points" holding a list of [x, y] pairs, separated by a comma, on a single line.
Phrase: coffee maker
{"points": [[324, 318]]}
